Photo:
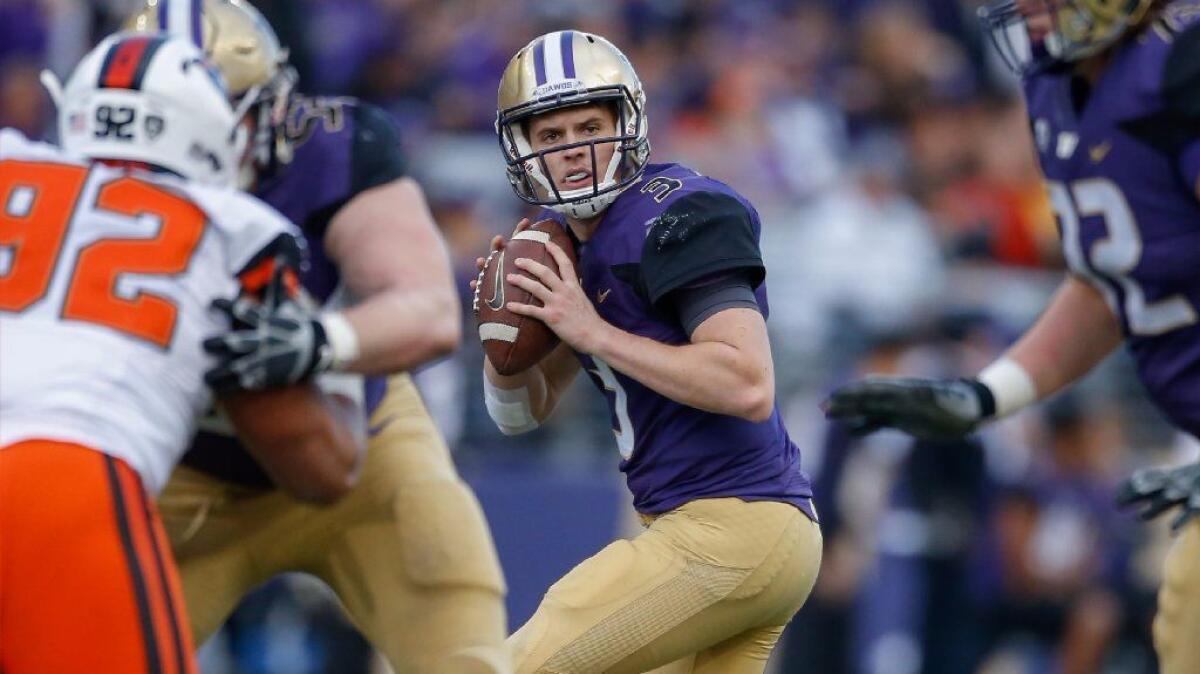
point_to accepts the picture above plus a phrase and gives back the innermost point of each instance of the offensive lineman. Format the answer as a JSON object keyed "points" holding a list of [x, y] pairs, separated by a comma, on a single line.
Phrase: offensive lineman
{"points": [[408, 552], [115, 246], [671, 288], [1113, 95]]}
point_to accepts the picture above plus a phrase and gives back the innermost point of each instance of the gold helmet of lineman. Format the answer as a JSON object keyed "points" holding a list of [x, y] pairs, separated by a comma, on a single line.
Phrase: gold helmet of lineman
{"points": [[243, 46], [561, 70], [1033, 35]]}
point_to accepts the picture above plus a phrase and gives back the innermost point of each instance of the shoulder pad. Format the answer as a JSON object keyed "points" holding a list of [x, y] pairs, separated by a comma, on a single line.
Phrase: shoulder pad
{"points": [[1175, 122], [700, 234], [1181, 75], [378, 157], [13, 143]]}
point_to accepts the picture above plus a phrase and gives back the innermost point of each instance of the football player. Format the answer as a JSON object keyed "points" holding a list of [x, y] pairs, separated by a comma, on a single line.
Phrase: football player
{"points": [[408, 552], [1111, 90], [114, 248], [666, 313]]}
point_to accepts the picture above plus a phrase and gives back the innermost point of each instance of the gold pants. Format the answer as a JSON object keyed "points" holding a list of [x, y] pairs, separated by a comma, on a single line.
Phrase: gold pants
{"points": [[705, 589], [1177, 624], [408, 551]]}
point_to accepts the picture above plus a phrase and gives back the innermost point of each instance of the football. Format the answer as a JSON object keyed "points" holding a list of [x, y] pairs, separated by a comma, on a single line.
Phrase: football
{"points": [[514, 343]]}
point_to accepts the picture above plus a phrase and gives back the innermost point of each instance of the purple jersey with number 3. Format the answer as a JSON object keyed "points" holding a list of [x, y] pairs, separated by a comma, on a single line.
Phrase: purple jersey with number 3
{"points": [[1121, 161], [671, 230]]}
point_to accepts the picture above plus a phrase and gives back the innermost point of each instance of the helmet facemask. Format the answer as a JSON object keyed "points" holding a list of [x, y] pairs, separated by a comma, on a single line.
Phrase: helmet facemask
{"points": [[268, 104], [1072, 29], [529, 172]]}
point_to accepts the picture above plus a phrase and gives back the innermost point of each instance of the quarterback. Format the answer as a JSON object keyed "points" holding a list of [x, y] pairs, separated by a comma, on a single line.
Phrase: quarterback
{"points": [[666, 314], [116, 245], [408, 551], [1113, 97]]}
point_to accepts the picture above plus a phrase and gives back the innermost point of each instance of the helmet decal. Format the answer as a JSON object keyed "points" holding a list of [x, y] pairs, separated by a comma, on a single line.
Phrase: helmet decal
{"points": [[126, 63]]}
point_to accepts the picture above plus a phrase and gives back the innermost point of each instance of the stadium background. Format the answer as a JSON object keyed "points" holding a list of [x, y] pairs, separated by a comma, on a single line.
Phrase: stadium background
{"points": [[905, 231]]}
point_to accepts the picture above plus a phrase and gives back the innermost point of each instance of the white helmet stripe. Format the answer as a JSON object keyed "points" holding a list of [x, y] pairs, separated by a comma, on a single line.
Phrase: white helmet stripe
{"points": [[554, 58], [181, 17]]}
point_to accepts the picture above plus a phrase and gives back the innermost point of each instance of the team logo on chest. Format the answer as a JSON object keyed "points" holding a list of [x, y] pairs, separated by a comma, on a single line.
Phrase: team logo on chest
{"points": [[1067, 142]]}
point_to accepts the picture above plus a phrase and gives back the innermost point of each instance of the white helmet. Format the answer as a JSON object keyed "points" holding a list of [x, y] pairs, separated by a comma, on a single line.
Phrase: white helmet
{"points": [[152, 99]]}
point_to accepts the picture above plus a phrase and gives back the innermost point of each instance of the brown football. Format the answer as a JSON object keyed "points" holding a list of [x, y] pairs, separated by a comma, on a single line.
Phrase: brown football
{"points": [[515, 343]]}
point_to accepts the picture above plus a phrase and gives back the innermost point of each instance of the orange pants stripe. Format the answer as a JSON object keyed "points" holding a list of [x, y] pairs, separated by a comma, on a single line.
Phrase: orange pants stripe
{"points": [[86, 581]]}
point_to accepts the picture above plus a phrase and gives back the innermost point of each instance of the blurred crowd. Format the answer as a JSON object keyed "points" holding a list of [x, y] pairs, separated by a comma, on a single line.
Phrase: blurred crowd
{"points": [[905, 231]]}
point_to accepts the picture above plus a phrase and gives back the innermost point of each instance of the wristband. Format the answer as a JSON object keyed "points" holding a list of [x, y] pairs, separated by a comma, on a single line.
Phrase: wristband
{"points": [[509, 408], [1010, 384], [342, 339]]}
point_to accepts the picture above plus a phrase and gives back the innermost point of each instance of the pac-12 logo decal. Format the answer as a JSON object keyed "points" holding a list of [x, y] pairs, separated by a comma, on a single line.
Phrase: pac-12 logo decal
{"points": [[154, 126], [661, 188]]}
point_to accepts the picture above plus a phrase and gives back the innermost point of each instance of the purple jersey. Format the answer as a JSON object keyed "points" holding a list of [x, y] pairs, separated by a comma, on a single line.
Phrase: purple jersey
{"points": [[669, 231], [1121, 163], [342, 148]]}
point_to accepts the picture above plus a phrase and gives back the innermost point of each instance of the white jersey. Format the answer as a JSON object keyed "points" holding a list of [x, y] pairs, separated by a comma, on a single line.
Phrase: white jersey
{"points": [[106, 278]]}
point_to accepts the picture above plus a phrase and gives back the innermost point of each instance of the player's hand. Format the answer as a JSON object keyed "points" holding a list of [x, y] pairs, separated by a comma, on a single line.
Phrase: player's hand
{"points": [[497, 245], [1157, 490], [565, 308], [273, 343], [930, 409]]}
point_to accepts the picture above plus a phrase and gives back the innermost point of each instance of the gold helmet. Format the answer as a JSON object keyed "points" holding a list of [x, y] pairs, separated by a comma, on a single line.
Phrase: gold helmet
{"points": [[1033, 35], [561, 70], [240, 42]]}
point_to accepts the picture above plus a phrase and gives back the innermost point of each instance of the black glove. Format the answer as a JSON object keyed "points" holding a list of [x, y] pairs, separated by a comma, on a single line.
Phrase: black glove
{"points": [[930, 409], [273, 343], [1157, 490]]}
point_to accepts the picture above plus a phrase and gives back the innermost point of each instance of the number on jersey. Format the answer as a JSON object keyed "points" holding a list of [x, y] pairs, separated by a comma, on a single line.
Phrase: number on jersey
{"points": [[38, 202], [624, 429], [1115, 256]]}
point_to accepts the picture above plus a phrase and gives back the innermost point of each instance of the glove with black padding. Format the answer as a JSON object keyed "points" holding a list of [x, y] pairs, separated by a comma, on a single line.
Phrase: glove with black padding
{"points": [[274, 343], [1157, 490], [930, 409]]}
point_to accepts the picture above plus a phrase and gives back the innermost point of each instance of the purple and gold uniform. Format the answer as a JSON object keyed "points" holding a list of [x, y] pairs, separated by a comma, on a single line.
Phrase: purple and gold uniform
{"points": [[408, 551], [673, 230], [1122, 163], [731, 545]]}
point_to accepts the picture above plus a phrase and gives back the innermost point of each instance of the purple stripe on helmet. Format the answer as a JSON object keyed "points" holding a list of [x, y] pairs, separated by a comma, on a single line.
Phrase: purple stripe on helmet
{"points": [[197, 33], [539, 61], [567, 43], [162, 15]]}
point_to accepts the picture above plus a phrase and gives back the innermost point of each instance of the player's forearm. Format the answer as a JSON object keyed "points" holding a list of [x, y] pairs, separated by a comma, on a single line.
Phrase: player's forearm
{"points": [[710, 376], [544, 382], [1076, 332], [399, 330]]}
